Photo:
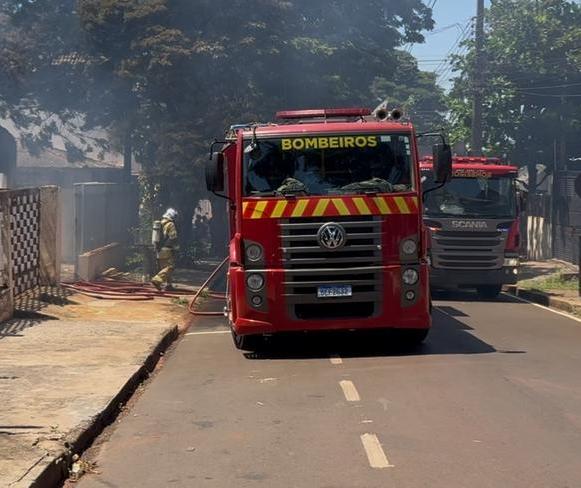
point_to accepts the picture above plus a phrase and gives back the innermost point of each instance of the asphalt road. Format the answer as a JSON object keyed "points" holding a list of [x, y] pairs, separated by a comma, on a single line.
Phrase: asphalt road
{"points": [[492, 400]]}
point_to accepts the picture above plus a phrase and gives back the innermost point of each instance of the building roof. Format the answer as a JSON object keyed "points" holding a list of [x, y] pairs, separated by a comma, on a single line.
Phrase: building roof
{"points": [[57, 158]]}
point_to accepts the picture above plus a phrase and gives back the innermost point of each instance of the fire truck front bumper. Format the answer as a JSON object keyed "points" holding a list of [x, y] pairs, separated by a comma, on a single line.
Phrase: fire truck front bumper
{"points": [[345, 299], [470, 278]]}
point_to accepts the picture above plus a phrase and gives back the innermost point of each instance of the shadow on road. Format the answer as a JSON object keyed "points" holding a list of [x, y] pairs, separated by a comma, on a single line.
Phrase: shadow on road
{"points": [[469, 296], [448, 336]]}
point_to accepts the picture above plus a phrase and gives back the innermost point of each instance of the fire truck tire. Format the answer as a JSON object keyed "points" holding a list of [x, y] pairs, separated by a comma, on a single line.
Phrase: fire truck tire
{"points": [[247, 342], [489, 291]]}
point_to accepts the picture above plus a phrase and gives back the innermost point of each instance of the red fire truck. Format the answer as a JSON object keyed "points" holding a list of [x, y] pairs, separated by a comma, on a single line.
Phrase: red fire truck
{"points": [[325, 223], [473, 225]]}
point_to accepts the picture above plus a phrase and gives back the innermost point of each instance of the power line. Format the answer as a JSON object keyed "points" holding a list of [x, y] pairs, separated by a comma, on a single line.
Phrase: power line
{"points": [[446, 68], [566, 85], [442, 29], [461, 37], [563, 95]]}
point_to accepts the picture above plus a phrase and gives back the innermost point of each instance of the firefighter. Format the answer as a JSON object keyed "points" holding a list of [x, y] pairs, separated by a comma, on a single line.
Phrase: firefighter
{"points": [[167, 250]]}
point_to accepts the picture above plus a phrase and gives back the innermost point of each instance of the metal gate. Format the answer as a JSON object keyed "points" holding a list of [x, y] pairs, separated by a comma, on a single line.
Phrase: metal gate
{"points": [[567, 225], [25, 239]]}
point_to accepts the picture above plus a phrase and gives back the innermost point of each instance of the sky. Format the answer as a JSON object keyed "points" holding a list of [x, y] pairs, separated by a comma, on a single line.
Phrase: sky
{"points": [[453, 22]]}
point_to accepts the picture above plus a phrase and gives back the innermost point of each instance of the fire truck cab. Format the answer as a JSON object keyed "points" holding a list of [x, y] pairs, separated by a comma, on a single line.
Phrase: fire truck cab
{"points": [[473, 225], [325, 212]]}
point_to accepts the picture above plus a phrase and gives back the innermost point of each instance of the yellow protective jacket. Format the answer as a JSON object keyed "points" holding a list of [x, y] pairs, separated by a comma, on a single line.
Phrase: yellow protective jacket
{"points": [[170, 234]]}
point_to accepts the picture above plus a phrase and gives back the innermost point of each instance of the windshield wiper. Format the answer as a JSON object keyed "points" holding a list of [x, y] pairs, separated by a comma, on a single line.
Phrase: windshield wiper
{"points": [[278, 193], [266, 193], [368, 190], [291, 193]]}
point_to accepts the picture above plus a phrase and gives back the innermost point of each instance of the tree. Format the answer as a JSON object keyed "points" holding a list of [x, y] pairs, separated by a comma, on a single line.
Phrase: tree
{"points": [[533, 80], [167, 76]]}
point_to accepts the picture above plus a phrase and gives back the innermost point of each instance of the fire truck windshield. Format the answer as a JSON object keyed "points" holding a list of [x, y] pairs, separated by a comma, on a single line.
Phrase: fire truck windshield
{"points": [[328, 165], [471, 197]]}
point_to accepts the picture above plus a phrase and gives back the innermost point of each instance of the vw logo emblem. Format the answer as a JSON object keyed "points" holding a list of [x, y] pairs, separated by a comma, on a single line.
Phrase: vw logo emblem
{"points": [[331, 236]]}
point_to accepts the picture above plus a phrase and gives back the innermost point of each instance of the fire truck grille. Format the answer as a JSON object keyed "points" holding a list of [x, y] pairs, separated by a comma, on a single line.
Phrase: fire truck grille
{"points": [[309, 266], [468, 250]]}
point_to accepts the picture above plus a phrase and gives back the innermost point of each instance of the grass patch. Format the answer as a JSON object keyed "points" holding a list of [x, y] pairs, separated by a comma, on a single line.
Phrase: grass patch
{"points": [[180, 301], [556, 281]]}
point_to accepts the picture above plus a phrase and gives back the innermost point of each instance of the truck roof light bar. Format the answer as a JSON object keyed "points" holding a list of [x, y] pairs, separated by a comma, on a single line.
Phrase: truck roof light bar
{"points": [[323, 113], [248, 126]]}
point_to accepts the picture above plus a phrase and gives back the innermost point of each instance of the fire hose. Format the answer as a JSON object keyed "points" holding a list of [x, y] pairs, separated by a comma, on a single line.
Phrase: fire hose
{"points": [[218, 296], [111, 289], [122, 290]]}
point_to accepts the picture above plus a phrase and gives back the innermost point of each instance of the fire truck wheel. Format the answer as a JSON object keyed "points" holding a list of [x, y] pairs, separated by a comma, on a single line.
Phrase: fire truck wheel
{"points": [[247, 342], [489, 291]]}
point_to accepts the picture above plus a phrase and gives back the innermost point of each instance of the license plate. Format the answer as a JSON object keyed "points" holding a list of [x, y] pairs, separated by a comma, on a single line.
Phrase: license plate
{"points": [[333, 291]]}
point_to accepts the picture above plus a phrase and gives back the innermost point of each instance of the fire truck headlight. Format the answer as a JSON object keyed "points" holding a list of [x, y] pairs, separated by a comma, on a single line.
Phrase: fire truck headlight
{"points": [[254, 252], [511, 262], [409, 247], [410, 276], [255, 282], [256, 301]]}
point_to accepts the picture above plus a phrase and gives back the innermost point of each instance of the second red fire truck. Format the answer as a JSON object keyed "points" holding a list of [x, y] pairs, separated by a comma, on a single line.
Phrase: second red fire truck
{"points": [[473, 225], [325, 224]]}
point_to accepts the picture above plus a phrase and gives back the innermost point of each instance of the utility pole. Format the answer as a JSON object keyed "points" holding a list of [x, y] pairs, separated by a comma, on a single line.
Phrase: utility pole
{"points": [[477, 82], [127, 158]]}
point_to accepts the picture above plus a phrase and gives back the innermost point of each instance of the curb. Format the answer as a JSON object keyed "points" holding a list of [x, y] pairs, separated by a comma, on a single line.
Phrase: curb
{"points": [[55, 473], [544, 299]]}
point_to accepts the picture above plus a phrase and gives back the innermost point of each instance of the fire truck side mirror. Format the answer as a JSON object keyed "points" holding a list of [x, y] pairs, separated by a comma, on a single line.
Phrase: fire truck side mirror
{"points": [[215, 172], [442, 163]]}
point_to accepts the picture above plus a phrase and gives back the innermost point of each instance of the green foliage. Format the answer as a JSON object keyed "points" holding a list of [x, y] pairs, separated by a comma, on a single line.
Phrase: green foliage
{"points": [[181, 301], [532, 65], [167, 76], [557, 281]]}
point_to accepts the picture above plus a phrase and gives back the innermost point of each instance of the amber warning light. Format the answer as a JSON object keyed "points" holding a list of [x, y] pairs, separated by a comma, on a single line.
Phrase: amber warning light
{"points": [[323, 113]]}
